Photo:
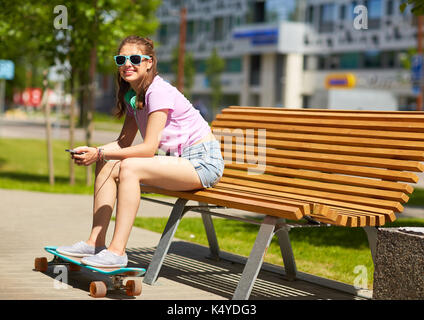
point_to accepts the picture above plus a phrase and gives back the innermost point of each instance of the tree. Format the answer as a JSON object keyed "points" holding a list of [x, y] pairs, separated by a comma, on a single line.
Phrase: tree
{"points": [[214, 67], [87, 43], [417, 6], [96, 30]]}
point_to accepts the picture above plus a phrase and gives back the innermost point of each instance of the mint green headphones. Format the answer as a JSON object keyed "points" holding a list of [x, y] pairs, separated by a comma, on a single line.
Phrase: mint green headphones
{"points": [[130, 98]]}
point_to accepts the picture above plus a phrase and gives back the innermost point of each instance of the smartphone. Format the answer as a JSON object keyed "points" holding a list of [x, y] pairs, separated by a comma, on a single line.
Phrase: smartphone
{"points": [[72, 151]]}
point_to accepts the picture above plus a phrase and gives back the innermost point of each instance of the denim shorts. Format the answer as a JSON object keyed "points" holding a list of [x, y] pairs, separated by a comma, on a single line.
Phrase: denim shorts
{"points": [[207, 159]]}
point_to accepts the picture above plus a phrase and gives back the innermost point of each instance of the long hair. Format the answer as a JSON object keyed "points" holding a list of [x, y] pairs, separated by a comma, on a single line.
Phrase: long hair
{"points": [[147, 47]]}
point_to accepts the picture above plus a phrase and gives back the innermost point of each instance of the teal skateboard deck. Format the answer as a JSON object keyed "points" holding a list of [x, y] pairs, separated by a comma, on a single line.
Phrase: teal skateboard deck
{"points": [[97, 288]]}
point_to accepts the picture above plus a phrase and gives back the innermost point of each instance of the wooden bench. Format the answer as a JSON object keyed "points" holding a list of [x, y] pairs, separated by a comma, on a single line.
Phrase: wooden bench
{"points": [[328, 167]]}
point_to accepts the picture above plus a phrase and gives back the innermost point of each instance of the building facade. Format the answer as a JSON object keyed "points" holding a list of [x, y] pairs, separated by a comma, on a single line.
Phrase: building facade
{"points": [[296, 53]]}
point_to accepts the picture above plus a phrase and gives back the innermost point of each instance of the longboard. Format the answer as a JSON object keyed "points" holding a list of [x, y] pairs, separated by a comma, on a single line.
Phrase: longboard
{"points": [[98, 289]]}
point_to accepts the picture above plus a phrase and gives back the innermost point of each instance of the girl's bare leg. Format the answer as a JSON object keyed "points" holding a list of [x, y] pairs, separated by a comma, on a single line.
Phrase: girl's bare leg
{"points": [[170, 173], [105, 187]]}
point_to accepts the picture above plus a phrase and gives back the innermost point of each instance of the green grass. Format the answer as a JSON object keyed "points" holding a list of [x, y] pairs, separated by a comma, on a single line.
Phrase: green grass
{"points": [[416, 198], [23, 165], [330, 252]]}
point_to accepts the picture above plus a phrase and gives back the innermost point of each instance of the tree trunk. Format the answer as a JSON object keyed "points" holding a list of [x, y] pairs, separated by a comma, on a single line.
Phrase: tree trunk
{"points": [[72, 128], [90, 110], [46, 108]]}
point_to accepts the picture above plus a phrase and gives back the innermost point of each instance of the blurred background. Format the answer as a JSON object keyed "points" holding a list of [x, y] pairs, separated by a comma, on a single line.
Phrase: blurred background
{"points": [[284, 53], [56, 59]]}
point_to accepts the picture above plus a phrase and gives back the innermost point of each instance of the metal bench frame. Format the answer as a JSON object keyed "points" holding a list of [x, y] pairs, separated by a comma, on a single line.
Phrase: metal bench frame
{"points": [[269, 226]]}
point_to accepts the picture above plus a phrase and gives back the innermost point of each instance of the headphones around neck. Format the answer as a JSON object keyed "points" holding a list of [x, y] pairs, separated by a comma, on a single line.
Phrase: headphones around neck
{"points": [[130, 98]]}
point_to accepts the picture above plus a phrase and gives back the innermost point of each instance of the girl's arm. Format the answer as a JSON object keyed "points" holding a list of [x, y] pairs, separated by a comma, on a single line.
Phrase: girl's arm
{"points": [[122, 149], [126, 137], [155, 124]]}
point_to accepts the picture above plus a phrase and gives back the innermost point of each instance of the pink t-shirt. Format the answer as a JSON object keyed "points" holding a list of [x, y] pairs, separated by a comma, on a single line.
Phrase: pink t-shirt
{"points": [[184, 125]]}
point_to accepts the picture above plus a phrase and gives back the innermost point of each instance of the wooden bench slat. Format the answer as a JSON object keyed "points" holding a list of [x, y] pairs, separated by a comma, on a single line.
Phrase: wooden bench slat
{"points": [[340, 189], [289, 110], [285, 211], [380, 203], [338, 149], [335, 140], [324, 211], [367, 218], [219, 126], [409, 165], [311, 113], [377, 219], [385, 174], [303, 206], [261, 188], [325, 177], [409, 126]]}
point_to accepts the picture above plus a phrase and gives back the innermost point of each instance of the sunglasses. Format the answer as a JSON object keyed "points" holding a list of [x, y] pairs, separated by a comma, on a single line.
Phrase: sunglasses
{"points": [[135, 59]]}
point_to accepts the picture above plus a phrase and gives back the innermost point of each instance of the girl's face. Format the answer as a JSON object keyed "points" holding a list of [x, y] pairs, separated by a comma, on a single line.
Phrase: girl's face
{"points": [[129, 72]]}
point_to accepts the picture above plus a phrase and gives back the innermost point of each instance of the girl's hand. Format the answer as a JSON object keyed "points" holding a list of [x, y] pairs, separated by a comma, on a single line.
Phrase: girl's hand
{"points": [[85, 156]]}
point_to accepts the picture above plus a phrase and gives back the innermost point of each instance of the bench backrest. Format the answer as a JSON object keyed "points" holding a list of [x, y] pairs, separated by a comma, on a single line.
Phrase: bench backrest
{"points": [[353, 167]]}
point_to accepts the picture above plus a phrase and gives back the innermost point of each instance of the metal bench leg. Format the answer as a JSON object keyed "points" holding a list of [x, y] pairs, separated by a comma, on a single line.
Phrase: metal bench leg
{"points": [[210, 233], [286, 251], [256, 257], [372, 239], [165, 241]]}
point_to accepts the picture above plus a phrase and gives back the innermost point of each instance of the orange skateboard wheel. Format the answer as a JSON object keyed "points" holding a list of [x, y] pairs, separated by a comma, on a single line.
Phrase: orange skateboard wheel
{"points": [[133, 287], [98, 289], [41, 264]]}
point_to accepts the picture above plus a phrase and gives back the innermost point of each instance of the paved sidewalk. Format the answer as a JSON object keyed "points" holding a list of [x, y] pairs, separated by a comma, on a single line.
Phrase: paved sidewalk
{"points": [[32, 220]]}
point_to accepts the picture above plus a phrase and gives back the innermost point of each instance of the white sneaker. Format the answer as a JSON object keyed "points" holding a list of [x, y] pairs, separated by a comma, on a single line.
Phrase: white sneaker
{"points": [[106, 259], [79, 250]]}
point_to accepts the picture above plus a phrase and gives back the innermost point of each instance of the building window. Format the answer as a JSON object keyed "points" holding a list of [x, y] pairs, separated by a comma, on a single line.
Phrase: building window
{"points": [[163, 34], [389, 7], [389, 59], [164, 67], [190, 32], [200, 66], [321, 63], [342, 12], [374, 8], [353, 4], [258, 12], [233, 65], [349, 60], [334, 62], [327, 17], [279, 79], [218, 29], [310, 14], [255, 70], [372, 59], [306, 101], [374, 13]]}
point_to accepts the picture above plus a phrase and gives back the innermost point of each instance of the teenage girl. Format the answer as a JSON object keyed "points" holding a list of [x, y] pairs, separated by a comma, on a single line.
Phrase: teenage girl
{"points": [[167, 121]]}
